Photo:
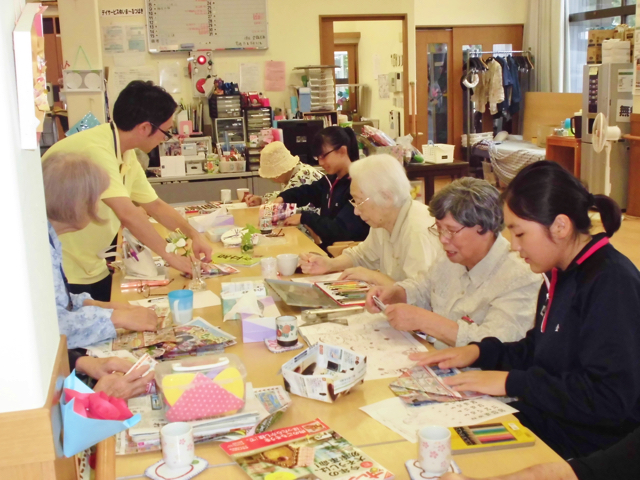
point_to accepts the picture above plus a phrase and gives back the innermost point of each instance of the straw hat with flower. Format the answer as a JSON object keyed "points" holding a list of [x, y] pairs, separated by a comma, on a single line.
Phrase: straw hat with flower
{"points": [[275, 160]]}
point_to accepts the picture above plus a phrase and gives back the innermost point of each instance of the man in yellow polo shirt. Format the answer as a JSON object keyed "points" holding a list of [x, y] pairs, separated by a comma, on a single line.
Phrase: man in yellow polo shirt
{"points": [[142, 116]]}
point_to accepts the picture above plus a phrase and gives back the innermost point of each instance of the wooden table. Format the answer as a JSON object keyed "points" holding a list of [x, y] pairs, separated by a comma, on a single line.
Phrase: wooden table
{"points": [[388, 448], [566, 151], [429, 171]]}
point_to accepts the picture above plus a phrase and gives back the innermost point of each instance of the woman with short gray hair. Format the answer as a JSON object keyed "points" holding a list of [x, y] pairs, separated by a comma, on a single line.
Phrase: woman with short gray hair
{"points": [[399, 244], [481, 289]]}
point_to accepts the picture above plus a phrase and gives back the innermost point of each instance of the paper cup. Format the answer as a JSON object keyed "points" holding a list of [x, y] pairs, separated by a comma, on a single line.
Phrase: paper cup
{"points": [[181, 306], [178, 450], [286, 330], [269, 267], [225, 195], [287, 263], [241, 193], [434, 450]]}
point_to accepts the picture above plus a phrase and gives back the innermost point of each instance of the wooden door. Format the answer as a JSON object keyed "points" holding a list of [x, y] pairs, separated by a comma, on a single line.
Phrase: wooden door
{"points": [[434, 86]]}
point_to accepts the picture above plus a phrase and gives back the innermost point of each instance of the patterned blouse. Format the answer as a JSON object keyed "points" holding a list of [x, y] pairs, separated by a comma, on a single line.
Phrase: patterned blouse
{"points": [[303, 174], [82, 325]]}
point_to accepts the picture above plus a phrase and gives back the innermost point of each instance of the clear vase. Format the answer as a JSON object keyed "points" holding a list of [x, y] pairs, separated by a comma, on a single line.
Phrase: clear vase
{"points": [[197, 284]]}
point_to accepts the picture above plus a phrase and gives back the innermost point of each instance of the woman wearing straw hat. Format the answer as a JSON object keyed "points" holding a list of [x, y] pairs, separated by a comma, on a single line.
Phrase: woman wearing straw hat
{"points": [[277, 164]]}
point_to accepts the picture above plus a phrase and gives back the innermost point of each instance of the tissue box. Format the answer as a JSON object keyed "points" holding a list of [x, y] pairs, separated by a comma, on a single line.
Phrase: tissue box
{"points": [[324, 372], [258, 329], [201, 387], [215, 234], [202, 223]]}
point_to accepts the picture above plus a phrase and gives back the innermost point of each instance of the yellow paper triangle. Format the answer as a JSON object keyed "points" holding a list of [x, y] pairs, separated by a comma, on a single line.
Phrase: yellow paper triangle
{"points": [[174, 385], [231, 380]]}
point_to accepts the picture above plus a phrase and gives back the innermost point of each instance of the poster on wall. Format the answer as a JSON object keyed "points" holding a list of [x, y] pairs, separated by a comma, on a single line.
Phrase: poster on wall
{"points": [[275, 76], [383, 86], [625, 80], [250, 77], [121, 39]]}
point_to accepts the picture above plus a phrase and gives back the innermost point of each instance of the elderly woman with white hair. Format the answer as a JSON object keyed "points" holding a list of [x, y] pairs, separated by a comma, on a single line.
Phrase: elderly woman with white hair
{"points": [[479, 289], [399, 244], [73, 185]]}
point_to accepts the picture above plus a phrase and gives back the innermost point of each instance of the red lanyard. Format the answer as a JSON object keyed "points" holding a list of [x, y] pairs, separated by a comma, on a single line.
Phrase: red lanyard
{"points": [[554, 278], [331, 190]]}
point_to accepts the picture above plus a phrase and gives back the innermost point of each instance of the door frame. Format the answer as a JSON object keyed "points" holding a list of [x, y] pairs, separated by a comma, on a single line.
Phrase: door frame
{"points": [[327, 43], [425, 36]]}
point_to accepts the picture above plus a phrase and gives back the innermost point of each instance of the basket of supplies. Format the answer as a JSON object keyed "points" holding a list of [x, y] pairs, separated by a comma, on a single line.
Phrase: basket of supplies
{"points": [[438, 153]]}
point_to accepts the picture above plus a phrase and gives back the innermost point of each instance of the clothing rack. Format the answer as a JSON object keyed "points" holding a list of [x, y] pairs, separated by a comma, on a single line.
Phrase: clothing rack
{"points": [[478, 53]]}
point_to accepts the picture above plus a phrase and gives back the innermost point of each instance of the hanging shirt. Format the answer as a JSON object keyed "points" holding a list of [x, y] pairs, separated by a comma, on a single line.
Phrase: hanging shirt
{"points": [[489, 89], [82, 325], [516, 93]]}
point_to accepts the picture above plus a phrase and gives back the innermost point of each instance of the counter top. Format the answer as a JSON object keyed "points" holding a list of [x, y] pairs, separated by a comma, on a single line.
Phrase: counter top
{"points": [[204, 176]]}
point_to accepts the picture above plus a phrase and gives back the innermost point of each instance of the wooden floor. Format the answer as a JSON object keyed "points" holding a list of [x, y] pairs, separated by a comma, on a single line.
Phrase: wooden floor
{"points": [[626, 240]]}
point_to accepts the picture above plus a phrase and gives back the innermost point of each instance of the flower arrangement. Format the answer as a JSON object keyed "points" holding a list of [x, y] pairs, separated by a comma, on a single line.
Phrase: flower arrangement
{"points": [[178, 243]]}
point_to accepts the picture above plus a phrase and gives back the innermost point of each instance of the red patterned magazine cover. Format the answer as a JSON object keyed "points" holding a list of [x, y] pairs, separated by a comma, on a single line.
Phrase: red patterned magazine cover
{"points": [[309, 450]]}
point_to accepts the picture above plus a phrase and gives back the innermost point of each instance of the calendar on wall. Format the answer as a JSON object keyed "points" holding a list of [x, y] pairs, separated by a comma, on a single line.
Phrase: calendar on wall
{"points": [[187, 25]]}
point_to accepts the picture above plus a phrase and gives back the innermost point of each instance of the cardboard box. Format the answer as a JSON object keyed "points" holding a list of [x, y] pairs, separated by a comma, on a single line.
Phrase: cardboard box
{"points": [[324, 372], [594, 54], [596, 37]]}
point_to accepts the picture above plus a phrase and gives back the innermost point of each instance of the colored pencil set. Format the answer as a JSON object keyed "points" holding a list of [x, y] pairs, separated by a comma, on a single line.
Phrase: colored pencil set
{"points": [[492, 436]]}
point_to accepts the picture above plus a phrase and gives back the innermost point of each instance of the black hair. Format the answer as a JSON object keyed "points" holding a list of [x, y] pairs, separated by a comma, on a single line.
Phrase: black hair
{"points": [[141, 102], [543, 190], [336, 137]]}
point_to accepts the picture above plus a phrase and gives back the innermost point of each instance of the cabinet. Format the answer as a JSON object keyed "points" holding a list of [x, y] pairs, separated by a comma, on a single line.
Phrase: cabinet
{"points": [[566, 151]]}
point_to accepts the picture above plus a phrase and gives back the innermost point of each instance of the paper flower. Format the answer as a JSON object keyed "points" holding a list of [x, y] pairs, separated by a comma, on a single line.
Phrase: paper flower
{"points": [[177, 241]]}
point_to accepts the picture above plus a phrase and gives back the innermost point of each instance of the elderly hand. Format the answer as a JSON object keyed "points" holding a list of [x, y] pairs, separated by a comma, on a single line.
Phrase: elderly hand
{"points": [[138, 319], [97, 368], [278, 200], [253, 200], [365, 275], [457, 357], [314, 264], [293, 220], [125, 386], [490, 382], [180, 263], [201, 247], [387, 295], [407, 318]]}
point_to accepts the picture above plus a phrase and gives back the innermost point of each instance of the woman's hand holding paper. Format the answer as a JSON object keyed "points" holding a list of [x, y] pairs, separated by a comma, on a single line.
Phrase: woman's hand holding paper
{"points": [[387, 295], [125, 386], [138, 319], [458, 357]]}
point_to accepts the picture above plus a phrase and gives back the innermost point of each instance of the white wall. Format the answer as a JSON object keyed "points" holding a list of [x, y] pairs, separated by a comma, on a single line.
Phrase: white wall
{"points": [[293, 37], [382, 38], [470, 12], [28, 322]]}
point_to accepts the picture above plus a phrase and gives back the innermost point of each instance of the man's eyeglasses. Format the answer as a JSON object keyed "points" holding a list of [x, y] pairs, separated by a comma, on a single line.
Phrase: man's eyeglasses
{"points": [[443, 232], [167, 135], [357, 205], [322, 156]]}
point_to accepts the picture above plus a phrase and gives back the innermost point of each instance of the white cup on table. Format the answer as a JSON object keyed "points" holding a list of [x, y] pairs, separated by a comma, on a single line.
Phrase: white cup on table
{"points": [[269, 267], [178, 450], [434, 450], [240, 192], [287, 263], [225, 195]]}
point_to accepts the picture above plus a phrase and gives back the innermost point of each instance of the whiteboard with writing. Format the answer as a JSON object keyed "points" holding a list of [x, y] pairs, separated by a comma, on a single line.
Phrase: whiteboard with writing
{"points": [[174, 25]]}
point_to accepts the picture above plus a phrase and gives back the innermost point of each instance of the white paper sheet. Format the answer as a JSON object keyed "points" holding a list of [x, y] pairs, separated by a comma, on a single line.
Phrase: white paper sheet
{"points": [[406, 420], [200, 300], [247, 305], [329, 277], [386, 348], [250, 77]]}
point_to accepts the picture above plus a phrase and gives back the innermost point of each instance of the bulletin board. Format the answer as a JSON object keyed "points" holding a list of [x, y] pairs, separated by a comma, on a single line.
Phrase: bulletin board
{"points": [[184, 25]]}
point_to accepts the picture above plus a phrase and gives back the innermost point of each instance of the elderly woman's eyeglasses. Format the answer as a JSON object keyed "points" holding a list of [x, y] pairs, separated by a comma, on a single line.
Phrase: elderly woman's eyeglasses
{"points": [[167, 135], [443, 232], [357, 205]]}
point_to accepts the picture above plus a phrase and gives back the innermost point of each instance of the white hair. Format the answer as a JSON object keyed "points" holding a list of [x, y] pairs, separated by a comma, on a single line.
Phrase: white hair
{"points": [[382, 179]]}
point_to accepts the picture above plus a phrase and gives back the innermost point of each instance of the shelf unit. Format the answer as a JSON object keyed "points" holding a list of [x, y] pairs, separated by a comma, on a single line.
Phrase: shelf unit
{"points": [[322, 84], [255, 119]]}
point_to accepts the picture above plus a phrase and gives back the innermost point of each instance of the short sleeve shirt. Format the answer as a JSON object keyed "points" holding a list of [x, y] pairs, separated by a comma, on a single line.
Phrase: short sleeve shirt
{"points": [[81, 262]]}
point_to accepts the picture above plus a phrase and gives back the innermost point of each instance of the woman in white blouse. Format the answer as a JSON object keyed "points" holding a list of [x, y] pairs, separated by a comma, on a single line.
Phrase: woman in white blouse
{"points": [[480, 289], [399, 245]]}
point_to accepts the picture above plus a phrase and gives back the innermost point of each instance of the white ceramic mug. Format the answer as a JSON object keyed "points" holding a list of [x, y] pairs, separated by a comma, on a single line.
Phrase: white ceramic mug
{"points": [[225, 195], [178, 450], [434, 450], [286, 330], [287, 263], [240, 192], [269, 267]]}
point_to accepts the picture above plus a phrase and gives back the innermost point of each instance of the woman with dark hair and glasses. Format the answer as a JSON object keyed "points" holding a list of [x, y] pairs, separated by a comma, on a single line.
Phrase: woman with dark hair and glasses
{"points": [[334, 148], [576, 373], [479, 288]]}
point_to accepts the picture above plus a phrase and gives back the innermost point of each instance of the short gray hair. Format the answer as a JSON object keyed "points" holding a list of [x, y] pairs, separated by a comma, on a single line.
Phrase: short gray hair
{"points": [[379, 174], [73, 185], [471, 202]]}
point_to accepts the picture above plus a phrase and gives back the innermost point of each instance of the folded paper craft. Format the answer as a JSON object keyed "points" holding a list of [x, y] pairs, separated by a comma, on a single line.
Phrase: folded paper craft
{"points": [[98, 405], [256, 329], [81, 432]]}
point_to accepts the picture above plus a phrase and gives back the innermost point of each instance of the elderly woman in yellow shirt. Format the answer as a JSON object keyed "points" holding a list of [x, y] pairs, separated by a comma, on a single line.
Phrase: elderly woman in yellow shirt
{"points": [[399, 245]]}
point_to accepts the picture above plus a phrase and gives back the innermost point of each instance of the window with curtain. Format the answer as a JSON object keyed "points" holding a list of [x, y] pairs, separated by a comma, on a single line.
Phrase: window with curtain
{"points": [[585, 15]]}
